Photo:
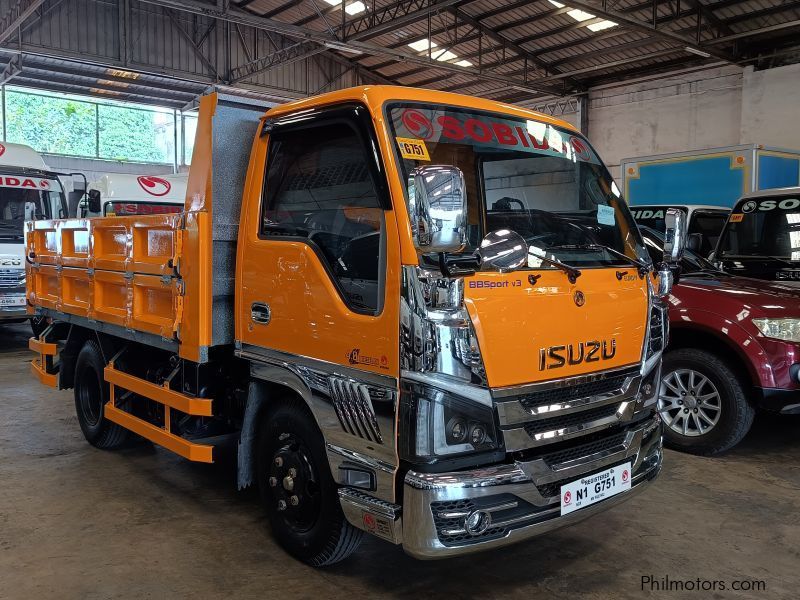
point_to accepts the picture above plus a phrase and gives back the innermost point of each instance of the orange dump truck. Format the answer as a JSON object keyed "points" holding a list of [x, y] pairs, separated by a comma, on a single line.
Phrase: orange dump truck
{"points": [[420, 315]]}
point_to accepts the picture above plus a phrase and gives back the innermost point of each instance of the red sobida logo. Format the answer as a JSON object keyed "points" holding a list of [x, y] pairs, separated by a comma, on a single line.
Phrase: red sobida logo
{"points": [[155, 186]]}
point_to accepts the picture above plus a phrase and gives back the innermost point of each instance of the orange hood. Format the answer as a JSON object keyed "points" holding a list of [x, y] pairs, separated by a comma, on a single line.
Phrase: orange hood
{"points": [[530, 332]]}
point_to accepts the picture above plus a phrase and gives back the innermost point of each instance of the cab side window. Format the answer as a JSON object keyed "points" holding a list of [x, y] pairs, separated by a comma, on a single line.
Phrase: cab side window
{"points": [[709, 225], [318, 188]]}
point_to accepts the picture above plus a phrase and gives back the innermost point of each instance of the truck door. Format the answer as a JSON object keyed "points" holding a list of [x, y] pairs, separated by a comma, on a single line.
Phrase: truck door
{"points": [[319, 269]]}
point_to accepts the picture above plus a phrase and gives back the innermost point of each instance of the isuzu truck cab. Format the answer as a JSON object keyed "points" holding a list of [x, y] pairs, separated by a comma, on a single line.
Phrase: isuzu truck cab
{"points": [[29, 191], [420, 315]]}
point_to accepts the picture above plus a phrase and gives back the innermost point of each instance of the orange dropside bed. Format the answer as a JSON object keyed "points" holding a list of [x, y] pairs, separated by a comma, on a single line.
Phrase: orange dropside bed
{"points": [[150, 274]]}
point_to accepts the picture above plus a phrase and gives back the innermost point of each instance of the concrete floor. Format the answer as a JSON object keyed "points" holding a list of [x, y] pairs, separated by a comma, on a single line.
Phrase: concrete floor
{"points": [[76, 522]]}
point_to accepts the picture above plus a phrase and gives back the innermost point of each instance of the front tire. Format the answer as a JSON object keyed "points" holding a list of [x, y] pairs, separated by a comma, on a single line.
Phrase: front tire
{"points": [[298, 490], [91, 395], [702, 402]]}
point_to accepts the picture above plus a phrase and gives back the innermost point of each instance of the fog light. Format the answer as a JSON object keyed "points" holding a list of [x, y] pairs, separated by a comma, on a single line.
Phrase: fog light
{"points": [[477, 522]]}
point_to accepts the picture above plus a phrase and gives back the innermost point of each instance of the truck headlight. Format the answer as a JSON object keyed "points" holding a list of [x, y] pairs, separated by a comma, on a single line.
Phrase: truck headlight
{"points": [[436, 424], [779, 329]]}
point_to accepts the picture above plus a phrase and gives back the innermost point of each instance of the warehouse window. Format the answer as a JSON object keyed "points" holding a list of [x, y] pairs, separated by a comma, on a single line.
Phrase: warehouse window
{"points": [[318, 187], [74, 126]]}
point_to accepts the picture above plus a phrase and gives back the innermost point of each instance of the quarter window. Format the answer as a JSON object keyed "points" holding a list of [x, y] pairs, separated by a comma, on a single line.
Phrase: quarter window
{"points": [[319, 188]]}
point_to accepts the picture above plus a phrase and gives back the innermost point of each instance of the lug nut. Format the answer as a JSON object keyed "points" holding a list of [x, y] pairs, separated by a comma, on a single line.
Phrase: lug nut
{"points": [[278, 461], [294, 500], [281, 505], [680, 401], [273, 482], [292, 472], [288, 483], [695, 410], [686, 410]]}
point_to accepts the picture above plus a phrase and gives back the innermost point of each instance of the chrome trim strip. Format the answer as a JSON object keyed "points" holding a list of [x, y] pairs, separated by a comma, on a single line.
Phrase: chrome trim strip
{"points": [[362, 459], [257, 353], [512, 412], [520, 390]]}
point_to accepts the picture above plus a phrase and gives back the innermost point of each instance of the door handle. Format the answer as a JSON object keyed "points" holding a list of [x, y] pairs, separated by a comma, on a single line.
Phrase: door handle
{"points": [[260, 313]]}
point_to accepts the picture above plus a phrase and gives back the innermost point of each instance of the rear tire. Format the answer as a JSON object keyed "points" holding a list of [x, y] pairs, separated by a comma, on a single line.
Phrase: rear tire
{"points": [[304, 510], [91, 395], [702, 402]]}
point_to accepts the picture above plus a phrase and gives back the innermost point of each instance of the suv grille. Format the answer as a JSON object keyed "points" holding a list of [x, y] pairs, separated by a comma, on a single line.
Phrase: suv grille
{"points": [[567, 393], [571, 419]]}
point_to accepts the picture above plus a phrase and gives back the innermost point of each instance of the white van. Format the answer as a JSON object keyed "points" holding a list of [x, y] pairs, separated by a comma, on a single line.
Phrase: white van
{"points": [[29, 190], [119, 194]]}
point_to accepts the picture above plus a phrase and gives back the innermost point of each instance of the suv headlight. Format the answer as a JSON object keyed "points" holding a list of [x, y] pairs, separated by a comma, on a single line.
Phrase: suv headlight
{"points": [[779, 329], [436, 425]]}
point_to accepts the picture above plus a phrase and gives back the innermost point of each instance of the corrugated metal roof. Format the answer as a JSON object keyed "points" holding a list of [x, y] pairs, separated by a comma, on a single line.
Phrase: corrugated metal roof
{"points": [[521, 46]]}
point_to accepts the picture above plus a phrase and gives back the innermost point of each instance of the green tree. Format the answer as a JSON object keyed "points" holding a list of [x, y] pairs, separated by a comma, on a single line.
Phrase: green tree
{"points": [[50, 124]]}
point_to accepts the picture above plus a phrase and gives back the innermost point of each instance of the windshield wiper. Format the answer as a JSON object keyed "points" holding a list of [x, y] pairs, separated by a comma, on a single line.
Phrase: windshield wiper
{"points": [[757, 257], [642, 267], [572, 272]]}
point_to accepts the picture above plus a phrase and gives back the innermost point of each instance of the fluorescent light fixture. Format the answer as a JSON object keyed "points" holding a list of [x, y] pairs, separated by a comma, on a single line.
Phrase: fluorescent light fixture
{"points": [[464, 63], [342, 47], [355, 7], [422, 45], [601, 25], [697, 51]]}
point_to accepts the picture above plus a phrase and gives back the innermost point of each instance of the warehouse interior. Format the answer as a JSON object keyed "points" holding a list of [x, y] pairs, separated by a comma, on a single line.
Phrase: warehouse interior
{"points": [[686, 114]]}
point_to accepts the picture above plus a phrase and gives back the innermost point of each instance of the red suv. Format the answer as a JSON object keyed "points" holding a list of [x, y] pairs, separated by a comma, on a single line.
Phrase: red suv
{"points": [[734, 347]]}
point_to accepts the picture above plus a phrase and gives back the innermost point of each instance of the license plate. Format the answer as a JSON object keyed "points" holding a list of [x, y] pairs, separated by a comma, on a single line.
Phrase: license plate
{"points": [[12, 300], [593, 488]]}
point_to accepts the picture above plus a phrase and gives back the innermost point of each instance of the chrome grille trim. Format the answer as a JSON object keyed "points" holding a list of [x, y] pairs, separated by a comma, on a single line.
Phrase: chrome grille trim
{"points": [[12, 278], [353, 407], [519, 439], [518, 421]]}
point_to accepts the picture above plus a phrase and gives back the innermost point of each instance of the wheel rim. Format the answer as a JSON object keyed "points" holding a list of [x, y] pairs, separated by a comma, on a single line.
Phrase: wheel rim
{"points": [[294, 484], [90, 399], [689, 402]]}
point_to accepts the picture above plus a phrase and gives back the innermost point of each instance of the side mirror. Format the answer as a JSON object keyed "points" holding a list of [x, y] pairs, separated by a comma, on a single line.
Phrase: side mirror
{"points": [[95, 204], [437, 208], [674, 235]]}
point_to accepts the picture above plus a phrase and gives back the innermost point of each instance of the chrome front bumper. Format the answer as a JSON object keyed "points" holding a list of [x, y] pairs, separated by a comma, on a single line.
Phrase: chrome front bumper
{"points": [[523, 498]]}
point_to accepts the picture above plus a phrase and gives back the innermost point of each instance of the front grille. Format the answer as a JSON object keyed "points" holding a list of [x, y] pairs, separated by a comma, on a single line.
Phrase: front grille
{"points": [[587, 448], [571, 419], [12, 278], [567, 393]]}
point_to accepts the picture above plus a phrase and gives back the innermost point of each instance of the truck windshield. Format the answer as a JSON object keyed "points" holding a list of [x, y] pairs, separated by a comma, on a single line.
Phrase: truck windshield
{"points": [[24, 198], [544, 182], [768, 228]]}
